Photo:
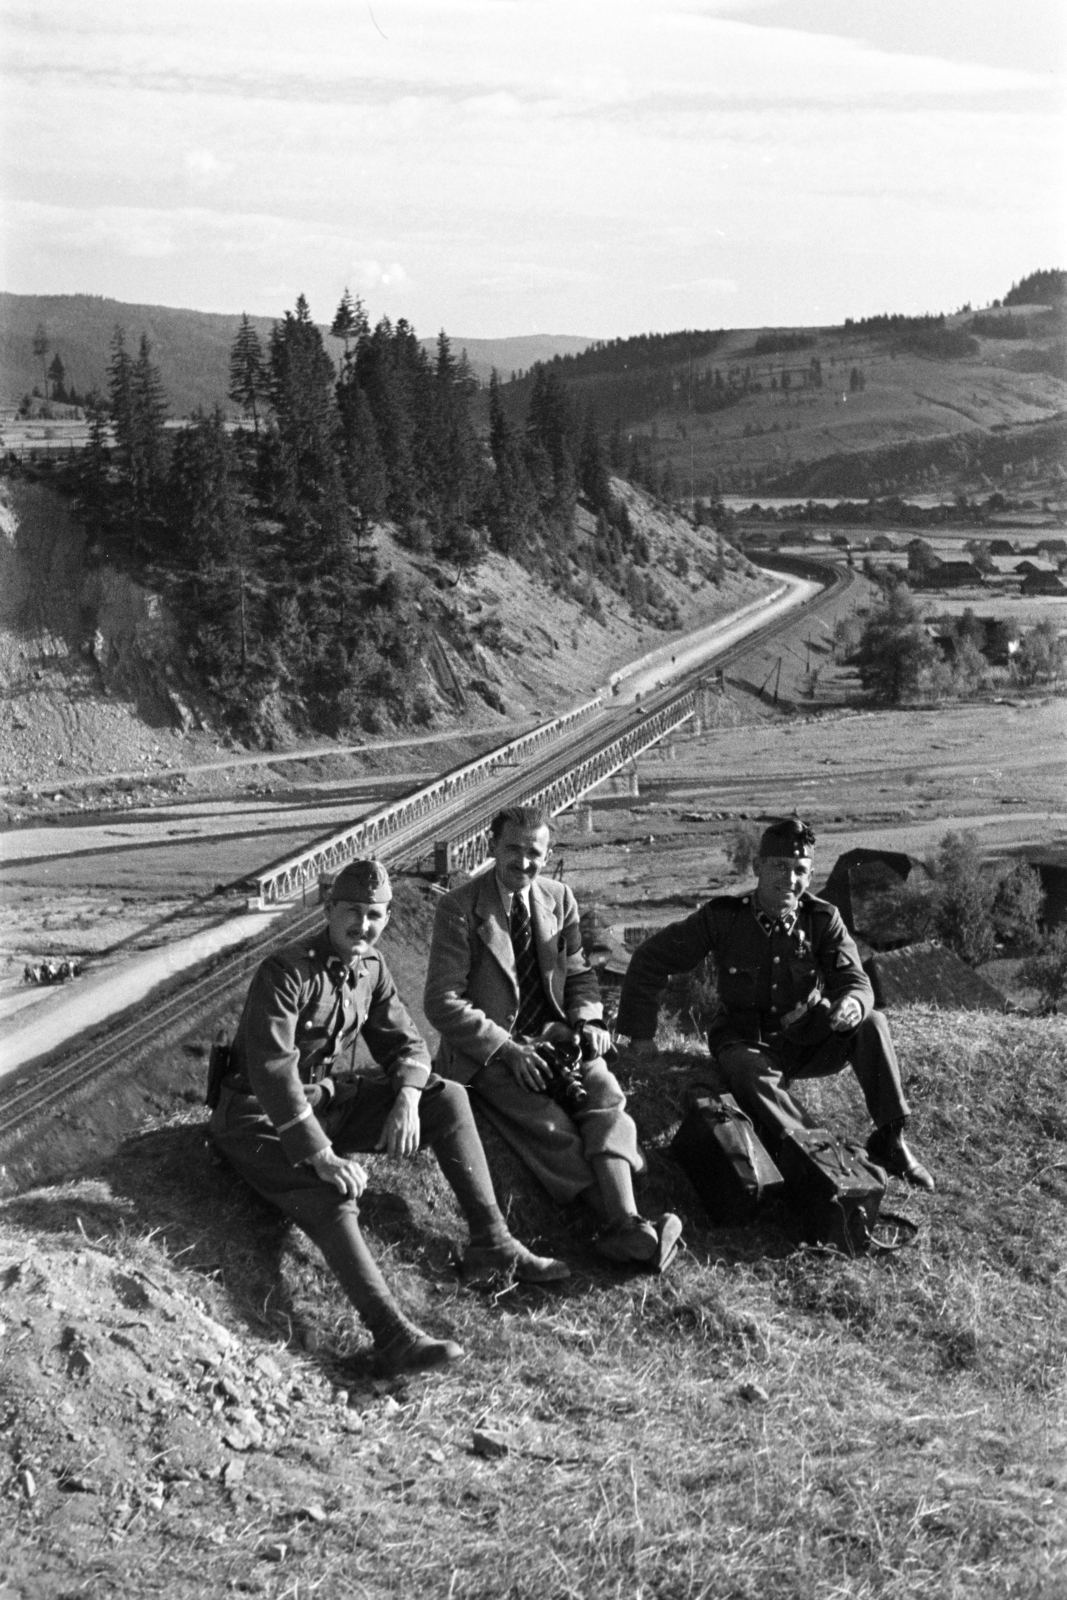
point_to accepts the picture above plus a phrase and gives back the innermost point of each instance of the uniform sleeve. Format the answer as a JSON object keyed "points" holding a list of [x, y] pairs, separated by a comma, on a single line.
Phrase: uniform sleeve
{"points": [[272, 1061], [677, 948], [839, 961], [466, 1026], [581, 990], [392, 1037]]}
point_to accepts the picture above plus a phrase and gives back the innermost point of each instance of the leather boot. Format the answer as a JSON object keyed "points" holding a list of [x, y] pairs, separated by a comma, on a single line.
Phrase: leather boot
{"points": [[484, 1262], [887, 1149], [404, 1347], [399, 1345]]}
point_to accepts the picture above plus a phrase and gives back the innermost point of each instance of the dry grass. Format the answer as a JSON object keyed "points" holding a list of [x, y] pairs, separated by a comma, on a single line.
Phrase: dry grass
{"points": [[766, 1421]]}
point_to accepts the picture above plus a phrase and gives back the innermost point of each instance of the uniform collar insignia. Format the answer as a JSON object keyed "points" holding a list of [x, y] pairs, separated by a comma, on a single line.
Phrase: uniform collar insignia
{"points": [[784, 924]]}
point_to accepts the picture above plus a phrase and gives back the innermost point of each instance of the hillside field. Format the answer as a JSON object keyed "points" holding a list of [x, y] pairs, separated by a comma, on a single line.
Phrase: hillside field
{"points": [[187, 1405], [191, 348]]}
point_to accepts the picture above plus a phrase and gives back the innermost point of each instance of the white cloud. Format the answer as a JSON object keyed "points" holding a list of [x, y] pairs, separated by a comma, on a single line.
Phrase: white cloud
{"points": [[606, 165], [203, 168], [371, 275]]}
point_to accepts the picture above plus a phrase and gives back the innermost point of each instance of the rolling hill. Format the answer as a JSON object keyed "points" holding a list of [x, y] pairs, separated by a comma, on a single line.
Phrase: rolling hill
{"points": [[878, 407], [887, 405], [191, 348]]}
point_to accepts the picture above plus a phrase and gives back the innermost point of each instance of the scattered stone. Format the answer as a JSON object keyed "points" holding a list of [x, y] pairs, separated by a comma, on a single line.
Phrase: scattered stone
{"points": [[312, 1513], [28, 1483], [390, 1407], [275, 1552], [233, 1473], [79, 1363], [488, 1442], [754, 1394], [237, 1439]]}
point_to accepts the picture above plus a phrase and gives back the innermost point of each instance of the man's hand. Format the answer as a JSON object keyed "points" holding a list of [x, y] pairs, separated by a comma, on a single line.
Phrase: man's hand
{"points": [[400, 1136], [525, 1066], [344, 1174], [846, 1015], [599, 1039]]}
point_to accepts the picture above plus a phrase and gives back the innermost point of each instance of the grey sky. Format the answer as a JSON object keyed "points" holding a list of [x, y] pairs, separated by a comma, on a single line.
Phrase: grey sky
{"points": [[508, 166]]}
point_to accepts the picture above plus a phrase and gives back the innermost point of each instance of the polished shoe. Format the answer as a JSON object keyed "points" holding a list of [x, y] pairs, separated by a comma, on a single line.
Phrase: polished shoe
{"points": [[408, 1349], [887, 1149], [511, 1260], [631, 1241], [668, 1236]]}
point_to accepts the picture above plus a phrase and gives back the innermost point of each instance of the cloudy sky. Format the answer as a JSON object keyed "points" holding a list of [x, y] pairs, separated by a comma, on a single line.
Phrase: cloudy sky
{"points": [[594, 167]]}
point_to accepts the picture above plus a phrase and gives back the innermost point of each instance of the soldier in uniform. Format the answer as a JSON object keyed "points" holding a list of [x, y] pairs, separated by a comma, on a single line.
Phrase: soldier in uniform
{"points": [[290, 1128], [795, 1001], [507, 969]]}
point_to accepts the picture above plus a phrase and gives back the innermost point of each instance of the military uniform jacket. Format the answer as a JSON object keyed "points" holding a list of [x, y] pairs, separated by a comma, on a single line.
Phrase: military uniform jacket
{"points": [[768, 982], [472, 987], [305, 1008]]}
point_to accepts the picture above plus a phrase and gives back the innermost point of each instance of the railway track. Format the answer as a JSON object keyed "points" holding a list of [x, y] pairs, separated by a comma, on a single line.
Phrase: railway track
{"points": [[31, 1098]]}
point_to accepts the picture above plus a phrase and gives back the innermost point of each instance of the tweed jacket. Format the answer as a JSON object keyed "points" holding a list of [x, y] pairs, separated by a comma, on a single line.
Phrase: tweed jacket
{"points": [[305, 1009], [472, 989], [770, 984]]}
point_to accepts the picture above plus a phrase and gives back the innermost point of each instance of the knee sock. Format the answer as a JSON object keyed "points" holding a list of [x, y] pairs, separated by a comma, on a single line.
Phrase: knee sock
{"points": [[615, 1182]]}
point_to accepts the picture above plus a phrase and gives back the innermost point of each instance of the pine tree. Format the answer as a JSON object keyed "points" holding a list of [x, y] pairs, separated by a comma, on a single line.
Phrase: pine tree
{"points": [[211, 548], [138, 410], [379, 369], [57, 373], [350, 323], [40, 350], [248, 378], [362, 463], [302, 463], [513, 500], [458, 478], [592, 465], [93, 491], [550, 430]]}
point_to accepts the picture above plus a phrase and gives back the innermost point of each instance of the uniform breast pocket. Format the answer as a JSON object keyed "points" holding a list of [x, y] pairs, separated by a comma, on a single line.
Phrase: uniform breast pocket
{"points": [[737, 987], [804, 977], [319, 1023]]}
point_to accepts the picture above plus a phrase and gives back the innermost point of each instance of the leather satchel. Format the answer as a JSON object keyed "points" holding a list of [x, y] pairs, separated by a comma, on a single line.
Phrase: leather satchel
{"points": [[720, 1152], [834, 1186]]}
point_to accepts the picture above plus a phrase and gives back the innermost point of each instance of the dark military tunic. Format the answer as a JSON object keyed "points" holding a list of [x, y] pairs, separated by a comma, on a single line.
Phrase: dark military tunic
{"points": [[305, 1009], [770, 981]]}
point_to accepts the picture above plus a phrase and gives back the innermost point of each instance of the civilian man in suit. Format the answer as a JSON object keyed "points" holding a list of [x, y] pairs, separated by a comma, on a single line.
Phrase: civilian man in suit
{"points": [[794, 1000], [506, 969]]}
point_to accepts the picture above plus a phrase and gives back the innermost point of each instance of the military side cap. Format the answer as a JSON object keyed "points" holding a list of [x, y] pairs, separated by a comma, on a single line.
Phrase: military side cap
{"points": [[366, 881], [790, 837]]}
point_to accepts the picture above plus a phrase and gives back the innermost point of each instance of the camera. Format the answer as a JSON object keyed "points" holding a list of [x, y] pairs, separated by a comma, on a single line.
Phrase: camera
{"points": [[564, 1064]]}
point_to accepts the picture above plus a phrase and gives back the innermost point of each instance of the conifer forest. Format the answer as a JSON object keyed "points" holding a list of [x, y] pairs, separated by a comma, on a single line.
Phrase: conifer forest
{"points": [[265, 536]]}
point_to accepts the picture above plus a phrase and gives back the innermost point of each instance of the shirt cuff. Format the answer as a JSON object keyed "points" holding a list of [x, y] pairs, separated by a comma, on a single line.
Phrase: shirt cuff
{"points": [[410, 1075], [305, 1139]]}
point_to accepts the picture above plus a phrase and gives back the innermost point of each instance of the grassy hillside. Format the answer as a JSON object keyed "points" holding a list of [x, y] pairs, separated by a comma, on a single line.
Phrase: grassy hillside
{"points": [[191, 348], [745, 409], [188, 1407]]}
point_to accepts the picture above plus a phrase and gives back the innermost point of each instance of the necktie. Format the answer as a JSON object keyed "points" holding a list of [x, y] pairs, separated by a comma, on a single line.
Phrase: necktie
{"points": [[532, 1008]]}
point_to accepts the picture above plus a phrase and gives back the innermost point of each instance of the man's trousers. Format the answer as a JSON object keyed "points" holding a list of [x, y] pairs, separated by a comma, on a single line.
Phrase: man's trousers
{"points": [[555, 1146], [354, 1122], [757, 1074]]}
